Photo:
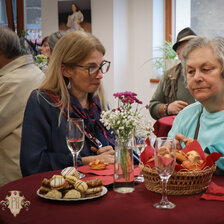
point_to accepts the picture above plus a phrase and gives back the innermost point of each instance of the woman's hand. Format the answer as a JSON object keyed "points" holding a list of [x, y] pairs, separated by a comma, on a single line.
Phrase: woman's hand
{"points": [[105, 154], [176, 106], [179, 137]]}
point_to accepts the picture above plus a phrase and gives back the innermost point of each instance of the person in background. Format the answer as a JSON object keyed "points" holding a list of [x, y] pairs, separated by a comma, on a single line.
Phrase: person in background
{"points": [[172, 94], [77, 59], [45, 49], [54, 38], [18, 77], [203, 65]]}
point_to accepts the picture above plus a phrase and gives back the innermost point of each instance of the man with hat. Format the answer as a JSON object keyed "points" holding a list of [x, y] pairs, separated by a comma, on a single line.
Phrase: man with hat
{"points": [[172, 94]]}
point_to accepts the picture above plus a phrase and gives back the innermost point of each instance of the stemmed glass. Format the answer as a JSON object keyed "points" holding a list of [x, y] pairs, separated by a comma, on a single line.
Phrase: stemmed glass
{"points": [[165, 160], [75, 137], [139, 146]]}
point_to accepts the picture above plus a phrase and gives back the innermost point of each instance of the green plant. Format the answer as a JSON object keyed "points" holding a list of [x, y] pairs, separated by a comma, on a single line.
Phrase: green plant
{"points": [[167, 53]]}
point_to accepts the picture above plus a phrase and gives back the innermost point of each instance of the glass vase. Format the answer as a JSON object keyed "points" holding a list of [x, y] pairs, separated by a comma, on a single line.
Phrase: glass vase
{"points": [[124, 166]]}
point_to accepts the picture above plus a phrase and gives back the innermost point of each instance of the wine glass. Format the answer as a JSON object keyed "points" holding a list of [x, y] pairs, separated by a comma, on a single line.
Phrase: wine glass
{"points": [[75, 137], [140, 145], [165, 160]]}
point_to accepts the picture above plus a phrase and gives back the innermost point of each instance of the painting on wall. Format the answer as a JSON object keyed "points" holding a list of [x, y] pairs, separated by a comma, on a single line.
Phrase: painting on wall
{"points": [[74, 15]]}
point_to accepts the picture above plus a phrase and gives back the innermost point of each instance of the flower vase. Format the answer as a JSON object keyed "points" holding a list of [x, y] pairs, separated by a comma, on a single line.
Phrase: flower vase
{"points": [[124, 166]]}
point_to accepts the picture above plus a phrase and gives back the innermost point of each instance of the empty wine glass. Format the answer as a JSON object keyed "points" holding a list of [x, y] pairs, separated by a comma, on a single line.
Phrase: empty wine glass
{"points": [[75, 137], [165, 160]]}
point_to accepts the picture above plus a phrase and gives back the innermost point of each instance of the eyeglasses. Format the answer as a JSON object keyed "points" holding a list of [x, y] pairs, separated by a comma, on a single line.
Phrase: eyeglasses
{"points": [[93, 70]]}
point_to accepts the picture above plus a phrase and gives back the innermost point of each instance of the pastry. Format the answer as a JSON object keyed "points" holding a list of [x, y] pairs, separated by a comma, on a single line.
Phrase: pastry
{"points": [[180, 157], [57, 182], [193, 156], [71, 179], [97, 165], [54, 194], [189, 140], [72, 194], [81, 186], [44, 190], [94, 182], [70, 171], [46, 183], [93, 191]]}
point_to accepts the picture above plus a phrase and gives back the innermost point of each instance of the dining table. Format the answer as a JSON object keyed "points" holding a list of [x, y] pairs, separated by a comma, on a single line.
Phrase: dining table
{"points": [[163, 125], [112, 207]]}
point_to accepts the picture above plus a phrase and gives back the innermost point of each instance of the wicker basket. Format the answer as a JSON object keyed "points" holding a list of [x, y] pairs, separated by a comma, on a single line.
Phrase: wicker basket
{"points": [[180, 183]]}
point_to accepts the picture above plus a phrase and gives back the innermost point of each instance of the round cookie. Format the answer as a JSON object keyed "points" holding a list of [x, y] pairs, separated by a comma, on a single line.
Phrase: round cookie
{"points": [[70, 171]]}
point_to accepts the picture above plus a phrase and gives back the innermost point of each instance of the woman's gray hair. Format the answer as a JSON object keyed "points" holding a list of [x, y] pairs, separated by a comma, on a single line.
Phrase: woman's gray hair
{"points": [[216, 44], [54, 38], [9, 44]]}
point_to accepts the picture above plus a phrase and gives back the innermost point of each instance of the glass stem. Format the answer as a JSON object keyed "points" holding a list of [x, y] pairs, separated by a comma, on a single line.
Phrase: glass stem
{"points": [[164, 189], [75, 160]]}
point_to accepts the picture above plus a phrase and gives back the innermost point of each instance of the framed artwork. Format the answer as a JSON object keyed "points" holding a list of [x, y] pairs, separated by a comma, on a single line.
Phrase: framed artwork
{"points": [[74, 15]]}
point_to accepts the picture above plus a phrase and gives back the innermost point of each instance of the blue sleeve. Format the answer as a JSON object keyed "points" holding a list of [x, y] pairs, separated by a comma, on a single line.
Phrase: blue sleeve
{"points": [[218, 147], [43, 145]]}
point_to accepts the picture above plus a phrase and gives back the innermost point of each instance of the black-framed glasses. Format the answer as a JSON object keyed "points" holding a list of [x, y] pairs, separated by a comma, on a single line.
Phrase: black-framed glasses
{"points": [[93, 70]]}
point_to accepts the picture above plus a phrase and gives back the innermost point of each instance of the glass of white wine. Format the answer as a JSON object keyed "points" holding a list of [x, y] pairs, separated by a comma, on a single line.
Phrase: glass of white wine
{"points": [[75, 137], [139, 146]]}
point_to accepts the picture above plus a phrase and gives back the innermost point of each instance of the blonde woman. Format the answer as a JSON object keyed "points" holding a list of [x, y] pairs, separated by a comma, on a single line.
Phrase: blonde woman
{"points": [[77, 59]]}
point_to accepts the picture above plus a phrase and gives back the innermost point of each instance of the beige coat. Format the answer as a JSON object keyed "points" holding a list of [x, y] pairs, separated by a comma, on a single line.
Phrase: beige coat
{"points": [[17, 79]]}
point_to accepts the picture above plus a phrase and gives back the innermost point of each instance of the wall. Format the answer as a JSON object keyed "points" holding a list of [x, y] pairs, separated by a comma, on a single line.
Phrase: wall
{"points": [[125, 29]]}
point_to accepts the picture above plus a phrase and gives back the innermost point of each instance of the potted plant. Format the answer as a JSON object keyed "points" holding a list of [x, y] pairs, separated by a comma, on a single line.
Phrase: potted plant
{"points": [[167, 58]]}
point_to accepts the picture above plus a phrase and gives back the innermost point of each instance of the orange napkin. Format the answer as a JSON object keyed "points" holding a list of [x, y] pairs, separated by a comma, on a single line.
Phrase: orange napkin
{"points": [[106, 172], [109, 170], [214, 192]]}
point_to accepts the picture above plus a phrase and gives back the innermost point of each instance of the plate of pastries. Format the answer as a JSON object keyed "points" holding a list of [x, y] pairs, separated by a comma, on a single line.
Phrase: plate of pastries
{"points": [[68, 187]]}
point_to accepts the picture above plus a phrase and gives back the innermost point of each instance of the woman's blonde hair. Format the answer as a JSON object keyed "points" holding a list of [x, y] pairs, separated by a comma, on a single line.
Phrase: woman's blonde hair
{"points": [[70, 50]]}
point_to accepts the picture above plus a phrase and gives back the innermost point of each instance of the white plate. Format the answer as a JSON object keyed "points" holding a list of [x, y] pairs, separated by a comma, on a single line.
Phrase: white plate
{"points": [[103, 192]]}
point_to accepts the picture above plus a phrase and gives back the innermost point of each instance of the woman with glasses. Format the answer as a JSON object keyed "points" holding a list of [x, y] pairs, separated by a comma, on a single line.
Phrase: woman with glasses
{"points": [[74, 74]]}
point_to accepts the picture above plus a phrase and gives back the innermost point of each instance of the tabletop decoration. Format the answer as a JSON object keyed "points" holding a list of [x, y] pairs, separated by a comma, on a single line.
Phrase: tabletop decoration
{"points": [[125, 121], [185, 180]]}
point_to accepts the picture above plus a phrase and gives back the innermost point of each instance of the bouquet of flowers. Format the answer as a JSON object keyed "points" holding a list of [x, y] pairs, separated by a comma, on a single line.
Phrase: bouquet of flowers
{"points": [[41, 62], [125, 121]]}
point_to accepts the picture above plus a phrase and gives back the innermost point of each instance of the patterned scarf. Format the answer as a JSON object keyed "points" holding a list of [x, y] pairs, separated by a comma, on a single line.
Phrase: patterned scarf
{"points": [[91, 122]]}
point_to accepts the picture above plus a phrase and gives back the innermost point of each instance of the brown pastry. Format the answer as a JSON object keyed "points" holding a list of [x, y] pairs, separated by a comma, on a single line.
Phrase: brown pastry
{"points": [[54, 194], [97, 165], [44, 190], [180, 157], [193, 156], [189, 140], [93, 191], [72, 194], [71, 179], [189, 165], [81, 186], [94, 182]]}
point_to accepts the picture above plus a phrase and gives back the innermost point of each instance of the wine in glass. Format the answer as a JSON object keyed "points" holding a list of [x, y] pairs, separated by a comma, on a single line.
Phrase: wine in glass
{"points": [[140, 145], [75, 137], [165, 160]]}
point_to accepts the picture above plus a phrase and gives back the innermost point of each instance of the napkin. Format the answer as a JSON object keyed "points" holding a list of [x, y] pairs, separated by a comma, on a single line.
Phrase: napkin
{"points": [[109, 170], [147, 153], [196, 147], [214, 192]]}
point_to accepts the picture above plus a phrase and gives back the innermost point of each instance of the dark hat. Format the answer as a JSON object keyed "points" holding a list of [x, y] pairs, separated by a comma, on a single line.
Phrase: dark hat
{"points": [[183, 35]]}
